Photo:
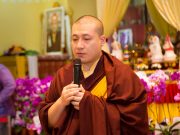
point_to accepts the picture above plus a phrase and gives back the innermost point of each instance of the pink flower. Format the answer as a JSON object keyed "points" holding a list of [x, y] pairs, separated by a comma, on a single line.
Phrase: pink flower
{"points": [[177, 97], [29, 93], [178, 84]]}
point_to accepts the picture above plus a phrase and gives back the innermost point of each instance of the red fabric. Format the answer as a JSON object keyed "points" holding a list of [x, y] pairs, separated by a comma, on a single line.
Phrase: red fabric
{"points": [[169, 49], [3, 119], [171, 91]]}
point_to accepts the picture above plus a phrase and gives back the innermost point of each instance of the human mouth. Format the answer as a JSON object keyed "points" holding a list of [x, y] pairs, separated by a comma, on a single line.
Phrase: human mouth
{"points": [[80, 54]]}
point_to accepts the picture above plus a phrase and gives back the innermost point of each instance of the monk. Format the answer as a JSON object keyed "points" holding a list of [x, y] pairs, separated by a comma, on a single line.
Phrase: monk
{"points": [[110, 100]]}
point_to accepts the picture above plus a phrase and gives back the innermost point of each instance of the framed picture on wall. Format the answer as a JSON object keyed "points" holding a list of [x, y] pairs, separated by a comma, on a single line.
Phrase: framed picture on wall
{"points": [[53, 31], [125, 37]]}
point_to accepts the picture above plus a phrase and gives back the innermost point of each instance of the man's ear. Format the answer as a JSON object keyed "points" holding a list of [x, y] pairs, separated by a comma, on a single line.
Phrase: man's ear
{"points": [[103, 39]]}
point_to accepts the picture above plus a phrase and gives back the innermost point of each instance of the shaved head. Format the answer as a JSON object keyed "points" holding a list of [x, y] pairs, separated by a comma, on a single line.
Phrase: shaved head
{"points": [[91, 19]]}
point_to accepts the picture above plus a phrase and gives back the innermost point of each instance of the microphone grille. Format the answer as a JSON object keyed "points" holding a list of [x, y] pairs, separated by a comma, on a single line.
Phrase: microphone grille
{"points": [[77, 61]]}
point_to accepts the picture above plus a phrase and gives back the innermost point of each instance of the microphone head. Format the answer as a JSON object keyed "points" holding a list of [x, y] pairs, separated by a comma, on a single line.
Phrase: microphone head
{"points": [[77, 70], [77, 61]]}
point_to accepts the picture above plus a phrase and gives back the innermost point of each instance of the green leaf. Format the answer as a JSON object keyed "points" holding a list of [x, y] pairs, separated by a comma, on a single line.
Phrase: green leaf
{"points": [[176, 123]]}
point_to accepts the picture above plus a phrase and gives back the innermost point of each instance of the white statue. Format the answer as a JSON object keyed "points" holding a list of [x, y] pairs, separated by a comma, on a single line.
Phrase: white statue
{"points": [[116, 47], [155, 49], [169, 50]]}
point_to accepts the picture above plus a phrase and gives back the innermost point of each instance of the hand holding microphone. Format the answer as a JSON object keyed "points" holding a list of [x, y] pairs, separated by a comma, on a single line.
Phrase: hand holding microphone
{"points": [[74, 92], [71, 91], [76, 77]]}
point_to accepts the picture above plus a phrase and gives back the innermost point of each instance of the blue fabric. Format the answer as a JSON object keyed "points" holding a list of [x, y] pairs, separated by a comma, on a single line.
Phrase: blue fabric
{"points": [[7, 87]]}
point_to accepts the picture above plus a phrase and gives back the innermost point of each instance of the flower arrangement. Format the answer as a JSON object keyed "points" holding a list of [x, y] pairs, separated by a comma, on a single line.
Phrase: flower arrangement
{"points": [[155, 85], [176, 77], [29, 93]]}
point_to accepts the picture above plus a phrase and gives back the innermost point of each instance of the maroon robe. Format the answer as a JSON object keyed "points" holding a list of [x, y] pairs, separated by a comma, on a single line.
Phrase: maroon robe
{"points": [[124, 111], [56, 45]]}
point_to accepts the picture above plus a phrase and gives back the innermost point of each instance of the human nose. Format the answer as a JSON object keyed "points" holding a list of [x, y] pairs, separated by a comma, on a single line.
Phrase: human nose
{"points": [[80, 44]]}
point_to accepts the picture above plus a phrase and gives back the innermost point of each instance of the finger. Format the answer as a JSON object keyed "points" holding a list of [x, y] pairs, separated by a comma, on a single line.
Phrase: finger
{"points": [[77, 99], [74, 103], [79, 94], [68, 87], [70, 99], [71, 90], [70, 93], [67, 100], [76, 107], [74, 89], [67, 90], [72, 86]]}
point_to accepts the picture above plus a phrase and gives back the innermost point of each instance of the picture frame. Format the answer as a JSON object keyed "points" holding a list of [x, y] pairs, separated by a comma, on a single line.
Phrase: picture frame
{"points": [[54, 31], [125, 37]]}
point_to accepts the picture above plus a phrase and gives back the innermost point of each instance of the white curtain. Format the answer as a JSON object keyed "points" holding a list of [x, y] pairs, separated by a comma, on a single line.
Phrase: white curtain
{"points": [[170, 11], [161, 25], [111, 12]]}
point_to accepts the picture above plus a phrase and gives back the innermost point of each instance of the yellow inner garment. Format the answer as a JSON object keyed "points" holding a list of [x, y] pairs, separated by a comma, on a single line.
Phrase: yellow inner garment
{"points": [[100, 89], [87, 71]]}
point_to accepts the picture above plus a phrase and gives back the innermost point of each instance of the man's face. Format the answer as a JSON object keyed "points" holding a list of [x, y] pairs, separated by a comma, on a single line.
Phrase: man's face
{"points": [[86, 43], [54, 26], [54, 22]]}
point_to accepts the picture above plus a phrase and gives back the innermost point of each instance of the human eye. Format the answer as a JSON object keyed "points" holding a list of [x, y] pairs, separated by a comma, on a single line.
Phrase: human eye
{"points": [[74, 39], [87, 38]]}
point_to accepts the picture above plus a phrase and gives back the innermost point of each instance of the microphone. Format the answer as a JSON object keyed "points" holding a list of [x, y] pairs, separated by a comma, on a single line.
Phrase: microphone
{"points": [[76, 71]]}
